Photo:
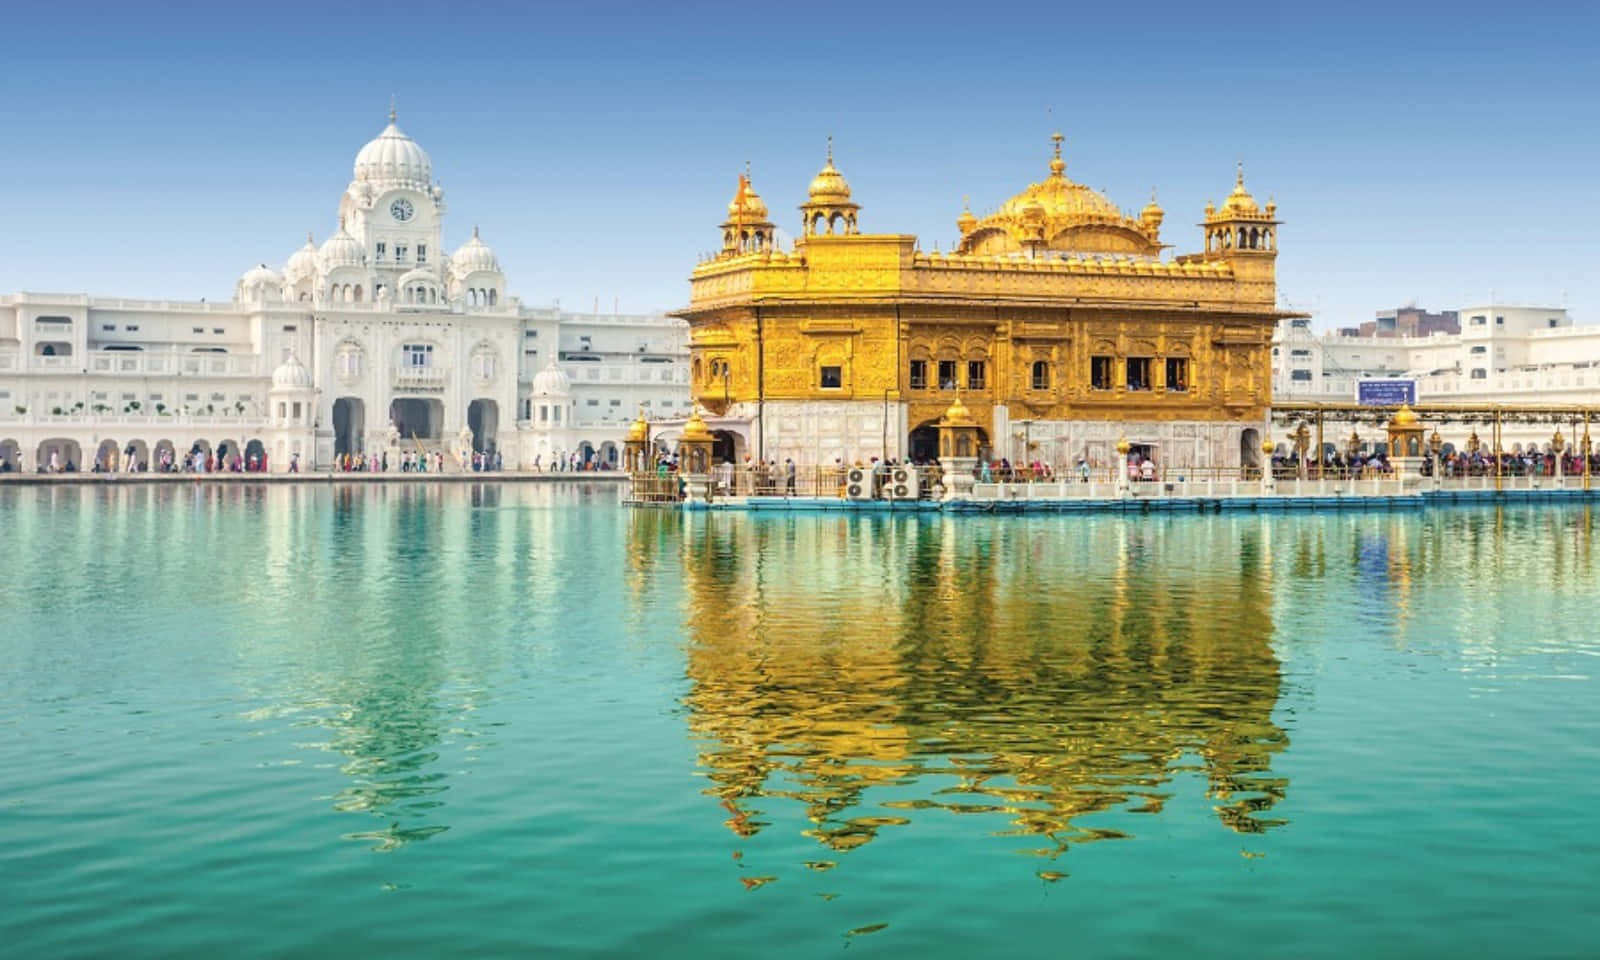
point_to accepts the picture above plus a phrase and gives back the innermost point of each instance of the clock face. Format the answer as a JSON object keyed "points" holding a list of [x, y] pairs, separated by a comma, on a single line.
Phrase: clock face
{"points": [[401, 210]]}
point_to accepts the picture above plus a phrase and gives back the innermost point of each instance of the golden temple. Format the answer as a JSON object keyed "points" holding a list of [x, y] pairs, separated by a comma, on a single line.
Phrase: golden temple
{"points": [[1056, 318]]}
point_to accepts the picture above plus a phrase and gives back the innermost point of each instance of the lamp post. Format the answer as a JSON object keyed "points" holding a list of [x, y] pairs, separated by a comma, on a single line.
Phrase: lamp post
{"points": [[1436, 446], [1269, 483], [1558, 443], [1123, 446], [1586, 449], [1302, 441]]}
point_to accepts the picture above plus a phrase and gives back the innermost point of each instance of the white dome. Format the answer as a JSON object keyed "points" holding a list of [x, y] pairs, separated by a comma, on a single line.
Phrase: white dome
{"points": [[341, 250], [552, 381], [291, 375], [259, 274], [473, 256], [302, 263], [393, 156]]}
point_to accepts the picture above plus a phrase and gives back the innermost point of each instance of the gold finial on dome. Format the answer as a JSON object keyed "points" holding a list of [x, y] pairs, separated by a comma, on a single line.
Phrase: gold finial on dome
{"points": [[1058, 166], [695, 430], [640, 431], [1240, 200], [957, 414], [829, 185], [967, 221]]}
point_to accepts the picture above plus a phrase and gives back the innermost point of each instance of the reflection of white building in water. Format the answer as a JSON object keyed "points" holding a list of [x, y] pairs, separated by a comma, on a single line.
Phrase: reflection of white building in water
{"points": [[1504, 355], [375, 332]]}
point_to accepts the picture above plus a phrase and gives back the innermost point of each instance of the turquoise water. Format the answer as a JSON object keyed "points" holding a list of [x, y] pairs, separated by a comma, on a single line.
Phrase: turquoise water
{"points": [[520, 720]]}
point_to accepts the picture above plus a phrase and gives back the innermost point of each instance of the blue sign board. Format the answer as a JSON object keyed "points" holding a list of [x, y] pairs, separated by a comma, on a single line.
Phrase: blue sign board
{"points": [[1385, 393]]}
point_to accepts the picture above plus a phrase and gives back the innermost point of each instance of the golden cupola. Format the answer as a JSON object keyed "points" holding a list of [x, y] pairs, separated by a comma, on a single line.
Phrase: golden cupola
{"points": [[1152, 215], [967, 222], [748, 228], [1240, 225], [1059, 214], [828, 210]]}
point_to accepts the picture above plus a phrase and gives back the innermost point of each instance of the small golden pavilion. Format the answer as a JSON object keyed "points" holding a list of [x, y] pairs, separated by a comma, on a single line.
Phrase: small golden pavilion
{"points": [[1056, 319]]}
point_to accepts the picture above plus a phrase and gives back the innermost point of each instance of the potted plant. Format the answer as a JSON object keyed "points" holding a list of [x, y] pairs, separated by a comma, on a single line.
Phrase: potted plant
{"points": [[161, 409], [21, 408], [133, 406], [211, 409], [101, 408], [239, 406], [55, 411]]}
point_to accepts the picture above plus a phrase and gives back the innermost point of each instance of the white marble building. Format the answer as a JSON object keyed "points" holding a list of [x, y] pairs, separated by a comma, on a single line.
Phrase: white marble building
{"points": [[375, 339], [1503, 355]]}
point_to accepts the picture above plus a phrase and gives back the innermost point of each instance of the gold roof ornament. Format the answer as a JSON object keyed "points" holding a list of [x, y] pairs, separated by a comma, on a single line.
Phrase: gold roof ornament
{"points": [[829, 186], [640, 431], [695, 431], [957, 415], [1268, 447], [1240, 200], [967, 221], [1404, 417], [1123, 446]]}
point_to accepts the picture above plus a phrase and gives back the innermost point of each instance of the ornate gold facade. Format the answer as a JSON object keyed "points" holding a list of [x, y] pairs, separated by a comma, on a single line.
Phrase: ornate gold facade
{"points": [[1055, 307]]}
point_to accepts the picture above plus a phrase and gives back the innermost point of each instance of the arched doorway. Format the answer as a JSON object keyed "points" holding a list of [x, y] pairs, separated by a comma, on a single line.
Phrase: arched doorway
{"points": [[608, 455], [202, 448], [59, 454], [255, 456], [1250, 447], [483, 417], [107, 456], [417, 417], [136, 455], [227, 452], [164, 456], [349, 425], [726, 446], [923, 442], [10, 456], [585, 453]]}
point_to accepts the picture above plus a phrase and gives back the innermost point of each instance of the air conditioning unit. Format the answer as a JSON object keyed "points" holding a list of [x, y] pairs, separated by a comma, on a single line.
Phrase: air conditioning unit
{"points": [[858, 484], [903, 483]]}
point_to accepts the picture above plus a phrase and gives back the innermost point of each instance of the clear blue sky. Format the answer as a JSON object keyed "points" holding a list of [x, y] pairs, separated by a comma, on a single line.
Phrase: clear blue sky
{"points": [[1430, 152]]}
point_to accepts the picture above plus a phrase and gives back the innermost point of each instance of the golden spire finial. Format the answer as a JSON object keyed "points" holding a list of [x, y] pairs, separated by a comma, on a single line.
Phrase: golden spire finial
{"points": [[1057, 165], [1238, 180], [830, 149], [966, 202], [392, 114]]}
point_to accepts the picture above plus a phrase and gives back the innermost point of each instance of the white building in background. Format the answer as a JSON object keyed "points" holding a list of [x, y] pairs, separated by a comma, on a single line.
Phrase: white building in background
{"points": [[376, 339], [1503, 355]]}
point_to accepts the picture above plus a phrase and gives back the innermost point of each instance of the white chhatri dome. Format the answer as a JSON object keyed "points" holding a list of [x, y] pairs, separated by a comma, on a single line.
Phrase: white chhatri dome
{"points": [[291, 375], [259, 274], [393, 156], [473, 256], [302, 263], [552, 381], [341, 250]]}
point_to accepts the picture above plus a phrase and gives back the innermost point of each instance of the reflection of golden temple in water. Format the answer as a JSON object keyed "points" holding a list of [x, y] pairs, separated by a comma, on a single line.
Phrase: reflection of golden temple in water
{"points": [[1049, 672]]}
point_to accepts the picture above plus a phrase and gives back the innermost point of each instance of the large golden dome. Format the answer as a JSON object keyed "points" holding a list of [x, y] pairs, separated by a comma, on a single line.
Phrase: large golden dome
{"points": [[1060, 197], [1060, 214]]}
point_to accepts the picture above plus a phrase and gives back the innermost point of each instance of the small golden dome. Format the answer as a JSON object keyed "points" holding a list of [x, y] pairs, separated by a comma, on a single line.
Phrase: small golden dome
{"points": [[747, 205], [1152, 211], [1240, 200], [1211, 209], [829, 186], [1123, 446], [966, 222], [1404, 417], [695, 430], [957, 415], [640, 431]]}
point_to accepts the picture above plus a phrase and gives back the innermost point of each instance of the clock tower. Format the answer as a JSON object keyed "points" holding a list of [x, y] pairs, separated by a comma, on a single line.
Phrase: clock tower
{"points": [[395, 210]]}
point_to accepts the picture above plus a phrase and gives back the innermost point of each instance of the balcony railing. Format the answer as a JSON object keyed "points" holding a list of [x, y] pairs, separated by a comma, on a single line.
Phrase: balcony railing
{"points": [[139, 363], [420, 378]]}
